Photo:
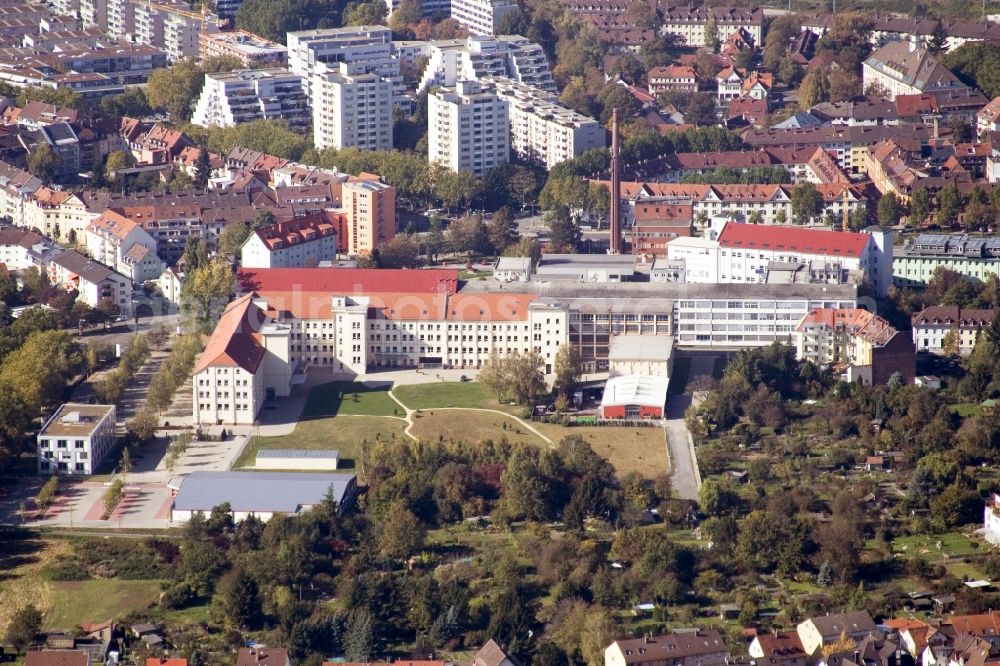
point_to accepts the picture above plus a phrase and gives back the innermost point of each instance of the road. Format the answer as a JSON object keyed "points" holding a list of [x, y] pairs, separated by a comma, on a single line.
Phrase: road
{"points": [[684, 475]]}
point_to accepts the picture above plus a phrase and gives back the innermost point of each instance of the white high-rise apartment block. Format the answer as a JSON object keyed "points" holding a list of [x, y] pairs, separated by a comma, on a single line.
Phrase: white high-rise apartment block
{"points": [[243, 96], [468, 127], [120, 18], [481, 17], [370, 46], [172, 27], [351, 108], [94, 14], [65, 7], [476, 57], [544, 130]]}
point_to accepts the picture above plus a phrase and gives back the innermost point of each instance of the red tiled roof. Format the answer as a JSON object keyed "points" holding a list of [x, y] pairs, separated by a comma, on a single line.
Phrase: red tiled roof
{"points": [[234, 341], [56, 658], [816, 241], [348, 280], [156, 661], [784, 643]]}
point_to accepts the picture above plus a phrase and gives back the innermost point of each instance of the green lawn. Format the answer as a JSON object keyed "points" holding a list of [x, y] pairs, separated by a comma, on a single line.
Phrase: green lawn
{"points": [[952, 544], [342, 398], [343, 433], [447, 394], [73, 602], [468, 426], [967, 409]]}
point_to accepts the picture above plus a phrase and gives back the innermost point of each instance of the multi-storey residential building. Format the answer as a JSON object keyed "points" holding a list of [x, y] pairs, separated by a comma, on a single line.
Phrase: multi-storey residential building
{"points": [[252, 51], [672, 77], [476, 57], [121, 243], [94, 14], [949, 329], [298, 243], [870, 348], [988, 117], [370, 209], [811, 165], [690, 23], [976, 258], [542, 129], [745, 253], [468, 128], [94, 282], [75, 439], [481, 17], [241, 96], [903, 68], [682, 648], [171, 25], [352, 108], [369, 47], [226, 9]]}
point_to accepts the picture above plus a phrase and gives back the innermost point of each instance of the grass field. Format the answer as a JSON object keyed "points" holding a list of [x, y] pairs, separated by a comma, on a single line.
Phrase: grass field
{"points": [[348, 398], [449, 394], [642, 450], [97, 600], [344, 433], [967, 409], [470, 426], [953, 544]]}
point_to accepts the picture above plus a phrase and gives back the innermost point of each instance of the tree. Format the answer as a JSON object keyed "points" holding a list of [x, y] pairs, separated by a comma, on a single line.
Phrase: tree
{"points": [[469, 235], [938, 42], [114, 162], [517, 376], [131, 104], [502, 229], [949, 203], [920, 206], [273, 19], [364, 13], [359, 639], [143, 426], [175, 88], [711, 32], [232, 237], [807, 203], [239, 599], [567, 369], [206, 291], [400, 534], [44, 162], [564, 232], [400, 252], [24, 626], [815, 88], [202, 169], [889, 210]]}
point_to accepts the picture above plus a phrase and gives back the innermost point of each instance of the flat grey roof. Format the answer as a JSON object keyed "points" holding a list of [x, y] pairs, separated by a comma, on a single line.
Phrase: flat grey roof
{"points": [[641, 347], [512, 264], [279, 492], [573, 263], [637, 291], [299, 453]]}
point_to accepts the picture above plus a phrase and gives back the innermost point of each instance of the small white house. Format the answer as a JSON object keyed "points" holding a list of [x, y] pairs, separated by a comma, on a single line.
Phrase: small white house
{"points": [[512, 269], [991, 520], [290, 459], [76, 438]]}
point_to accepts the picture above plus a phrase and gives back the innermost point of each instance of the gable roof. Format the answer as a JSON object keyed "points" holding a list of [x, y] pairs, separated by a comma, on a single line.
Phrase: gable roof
{"points": [[851, 623], [785, 643], [491, 654], [952, 315], [669, 647], [279, 492], [234, 342], [814, 241], [260, 656], [348, 280], [57, 658], [912, 65]]}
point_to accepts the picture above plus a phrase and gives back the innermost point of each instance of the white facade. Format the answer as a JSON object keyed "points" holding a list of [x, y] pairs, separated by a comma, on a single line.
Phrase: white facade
{"points": [[991, 520], [481, 17], [476, 57], [542, 129], [170, 284], [369, 47], [352, 108], [700, 257], [278, 247], [468, 128], [242, 96], [124, 245], [75, 439], [174, 28]]}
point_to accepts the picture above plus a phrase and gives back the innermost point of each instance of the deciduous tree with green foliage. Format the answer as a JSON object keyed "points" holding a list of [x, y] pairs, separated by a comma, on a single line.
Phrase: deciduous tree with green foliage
{"points": [[206, 292], [175, 88]]}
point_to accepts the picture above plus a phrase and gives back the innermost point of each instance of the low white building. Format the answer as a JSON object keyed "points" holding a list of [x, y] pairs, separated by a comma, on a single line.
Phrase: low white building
{"points": [[298, 243], [117, 241], [650, 355], [745, 253], [75, 439], [19, 248], [311, 459], [93, 281], [991, 520], [170, 283], [512, 269], [586, 267], [262, 495]]}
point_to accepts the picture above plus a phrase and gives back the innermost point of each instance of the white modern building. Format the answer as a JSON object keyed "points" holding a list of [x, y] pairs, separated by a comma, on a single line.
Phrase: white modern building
{"points": [[542, 129], [747, 253], [297, 243], [481, 17], [477, 57], [352, 108], [171, 26], [242, 96], [369, 47], [76, 438], [468, 128]]}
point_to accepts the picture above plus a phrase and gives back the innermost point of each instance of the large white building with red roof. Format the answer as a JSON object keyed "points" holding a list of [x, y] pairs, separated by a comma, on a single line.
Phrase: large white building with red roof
{"points": [[751, 253], [351, 320], [299, 243]]}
